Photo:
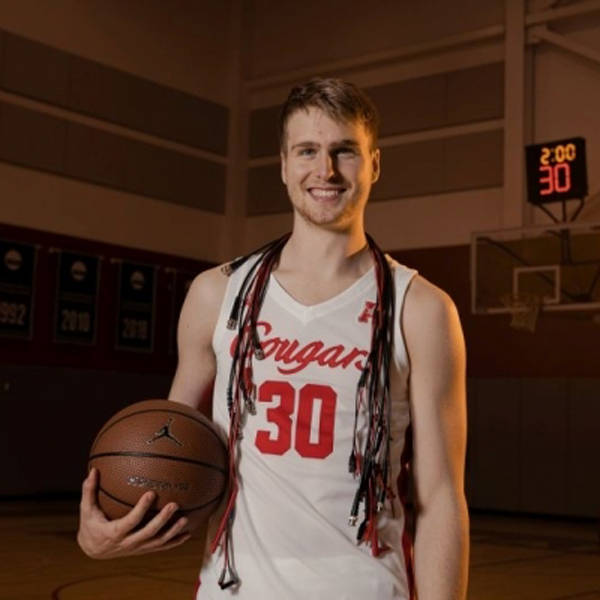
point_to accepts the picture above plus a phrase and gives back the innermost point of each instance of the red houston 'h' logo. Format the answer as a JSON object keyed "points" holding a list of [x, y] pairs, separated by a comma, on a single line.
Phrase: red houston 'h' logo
{"points": [[367, 314]]}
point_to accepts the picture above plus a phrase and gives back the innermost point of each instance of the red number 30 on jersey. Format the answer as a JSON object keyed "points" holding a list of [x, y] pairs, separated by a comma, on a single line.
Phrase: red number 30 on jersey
{"points": [[305, 419]]}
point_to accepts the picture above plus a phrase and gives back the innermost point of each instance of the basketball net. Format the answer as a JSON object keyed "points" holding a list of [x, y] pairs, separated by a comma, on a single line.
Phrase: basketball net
{"points": [[524, 310]]}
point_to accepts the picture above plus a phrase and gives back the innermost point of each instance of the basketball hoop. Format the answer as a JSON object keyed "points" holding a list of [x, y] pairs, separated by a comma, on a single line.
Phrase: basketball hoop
{"points": [[523, 308]]}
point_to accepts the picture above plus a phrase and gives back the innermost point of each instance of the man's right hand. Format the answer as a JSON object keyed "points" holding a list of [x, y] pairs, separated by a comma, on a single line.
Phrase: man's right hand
{"points": [[101, 538]]}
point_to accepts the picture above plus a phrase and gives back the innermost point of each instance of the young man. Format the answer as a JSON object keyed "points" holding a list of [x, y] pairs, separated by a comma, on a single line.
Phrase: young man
{"points": [[332, 365]]}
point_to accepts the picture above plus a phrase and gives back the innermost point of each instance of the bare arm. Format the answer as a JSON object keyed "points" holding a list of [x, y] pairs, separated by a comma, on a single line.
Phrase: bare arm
{"points": [[196, 368], [437, 388], [101, 538]]}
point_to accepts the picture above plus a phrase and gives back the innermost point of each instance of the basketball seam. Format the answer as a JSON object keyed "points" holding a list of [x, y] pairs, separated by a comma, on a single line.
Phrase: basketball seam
{"points": [[164, 410], [165, 456], [180, 510]]}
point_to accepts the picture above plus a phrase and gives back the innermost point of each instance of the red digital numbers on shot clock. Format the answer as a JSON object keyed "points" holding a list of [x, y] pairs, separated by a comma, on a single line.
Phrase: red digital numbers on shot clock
{"points": [[556, 171]]}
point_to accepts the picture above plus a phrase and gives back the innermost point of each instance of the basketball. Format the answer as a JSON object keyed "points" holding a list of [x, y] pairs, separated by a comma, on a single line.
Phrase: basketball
{"points": [[163, 446]]}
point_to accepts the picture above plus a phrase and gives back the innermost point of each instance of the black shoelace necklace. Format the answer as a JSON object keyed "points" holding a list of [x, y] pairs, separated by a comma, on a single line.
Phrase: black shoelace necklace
{"points": [[369, 460]]}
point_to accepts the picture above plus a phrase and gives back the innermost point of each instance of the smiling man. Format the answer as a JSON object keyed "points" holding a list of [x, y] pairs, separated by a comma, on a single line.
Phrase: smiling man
{"points": [[335, 371], [328, 167]]}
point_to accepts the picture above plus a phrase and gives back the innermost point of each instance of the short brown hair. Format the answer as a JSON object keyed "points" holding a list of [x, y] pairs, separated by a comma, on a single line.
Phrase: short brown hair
{"points": [[339, 100]]}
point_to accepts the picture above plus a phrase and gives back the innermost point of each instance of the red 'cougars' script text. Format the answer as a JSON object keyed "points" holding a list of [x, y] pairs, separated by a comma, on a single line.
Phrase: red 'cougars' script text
{"points": [[296, 357]]}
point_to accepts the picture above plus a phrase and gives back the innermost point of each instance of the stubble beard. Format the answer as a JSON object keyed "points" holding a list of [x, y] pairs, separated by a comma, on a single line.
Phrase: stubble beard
{"points": [[335, 216]]}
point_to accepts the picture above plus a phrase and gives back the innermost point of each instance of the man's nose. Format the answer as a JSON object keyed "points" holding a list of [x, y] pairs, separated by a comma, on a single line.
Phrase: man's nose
{"points": [[326, 168]]}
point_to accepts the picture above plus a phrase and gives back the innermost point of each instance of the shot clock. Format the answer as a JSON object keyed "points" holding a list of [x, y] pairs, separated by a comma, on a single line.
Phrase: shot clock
{"points": [[556, 171]]}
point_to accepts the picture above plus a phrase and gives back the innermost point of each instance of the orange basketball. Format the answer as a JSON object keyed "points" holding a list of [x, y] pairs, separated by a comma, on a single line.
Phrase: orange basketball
{"points": [[164, 446]]}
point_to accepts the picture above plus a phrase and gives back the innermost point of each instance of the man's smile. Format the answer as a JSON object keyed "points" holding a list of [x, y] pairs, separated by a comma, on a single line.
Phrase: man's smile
{"points": [[321, 194]]}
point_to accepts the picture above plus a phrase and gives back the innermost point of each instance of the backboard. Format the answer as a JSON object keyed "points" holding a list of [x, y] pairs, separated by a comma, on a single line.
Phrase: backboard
{"points": [[555, 266]]}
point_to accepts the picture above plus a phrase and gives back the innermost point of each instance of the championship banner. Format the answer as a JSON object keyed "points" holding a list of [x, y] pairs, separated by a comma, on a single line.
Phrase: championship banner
{"points": [[75, 309], [17, 282], [136, 307], [182, 280]]}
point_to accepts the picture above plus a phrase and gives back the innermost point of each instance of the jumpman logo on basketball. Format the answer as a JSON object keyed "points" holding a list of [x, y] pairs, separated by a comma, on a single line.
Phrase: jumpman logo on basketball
{"points": [[165, 432]]}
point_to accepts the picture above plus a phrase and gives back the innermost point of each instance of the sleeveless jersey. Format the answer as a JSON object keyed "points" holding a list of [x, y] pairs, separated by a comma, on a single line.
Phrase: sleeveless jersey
{"points": [[291, 537]]}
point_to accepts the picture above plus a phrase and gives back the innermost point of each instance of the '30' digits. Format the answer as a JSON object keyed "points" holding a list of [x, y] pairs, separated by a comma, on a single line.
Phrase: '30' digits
{"points": [[310, 397]]}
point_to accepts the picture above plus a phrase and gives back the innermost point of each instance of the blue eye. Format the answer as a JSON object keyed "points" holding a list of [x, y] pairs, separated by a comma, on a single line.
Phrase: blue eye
{"points": [[306, 152]]}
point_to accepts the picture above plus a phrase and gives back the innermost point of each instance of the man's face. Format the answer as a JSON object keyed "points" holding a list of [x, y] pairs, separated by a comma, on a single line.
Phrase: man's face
{"points": [[328, 168]]}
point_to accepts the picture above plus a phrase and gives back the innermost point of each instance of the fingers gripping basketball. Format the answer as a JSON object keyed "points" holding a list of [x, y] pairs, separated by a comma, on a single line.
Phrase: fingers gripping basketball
{"points": [[165, 447]]}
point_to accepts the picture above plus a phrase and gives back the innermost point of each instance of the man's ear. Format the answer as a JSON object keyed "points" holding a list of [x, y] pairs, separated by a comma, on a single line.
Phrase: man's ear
{"points": [[376, 158], [282, 161]]}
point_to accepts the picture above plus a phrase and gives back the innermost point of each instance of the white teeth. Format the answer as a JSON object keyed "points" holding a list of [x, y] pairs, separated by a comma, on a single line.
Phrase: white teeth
{"points": [[324, 193]]}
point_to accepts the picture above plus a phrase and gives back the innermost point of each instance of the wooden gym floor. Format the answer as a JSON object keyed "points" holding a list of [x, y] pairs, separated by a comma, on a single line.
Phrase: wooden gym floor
{"points": [[512, 558]]}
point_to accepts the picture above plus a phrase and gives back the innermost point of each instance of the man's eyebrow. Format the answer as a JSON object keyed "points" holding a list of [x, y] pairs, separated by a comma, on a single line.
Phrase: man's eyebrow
{"points": [[346, 142], [304, 145], [336, 144]]}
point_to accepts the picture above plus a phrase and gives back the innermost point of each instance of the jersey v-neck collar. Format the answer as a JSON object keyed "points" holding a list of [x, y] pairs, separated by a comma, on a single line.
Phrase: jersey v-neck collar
{"points": [[306, 314]]}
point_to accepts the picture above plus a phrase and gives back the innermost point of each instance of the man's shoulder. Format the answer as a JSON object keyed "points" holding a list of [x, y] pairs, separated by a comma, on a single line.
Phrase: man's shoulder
{"points": [[209, 287], [427, 302], [432, 329], [423, 290]]}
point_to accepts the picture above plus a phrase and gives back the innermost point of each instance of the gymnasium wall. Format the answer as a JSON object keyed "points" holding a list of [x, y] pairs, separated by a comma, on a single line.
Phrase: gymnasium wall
{"points": [[183, 45], [62, 379], [348, 30], [114, 126]]}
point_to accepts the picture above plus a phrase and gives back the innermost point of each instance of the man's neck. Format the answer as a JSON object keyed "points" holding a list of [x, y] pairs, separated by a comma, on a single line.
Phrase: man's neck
{"points": [[326, 253]]}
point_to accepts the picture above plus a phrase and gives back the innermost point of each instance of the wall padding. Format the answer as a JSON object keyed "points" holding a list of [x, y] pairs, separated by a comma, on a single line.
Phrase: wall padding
{"points": [[83, 86], [38, 141]]}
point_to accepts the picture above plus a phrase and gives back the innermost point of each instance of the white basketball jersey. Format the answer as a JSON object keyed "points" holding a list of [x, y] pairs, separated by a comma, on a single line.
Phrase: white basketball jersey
{"points": [[291, 537]]}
